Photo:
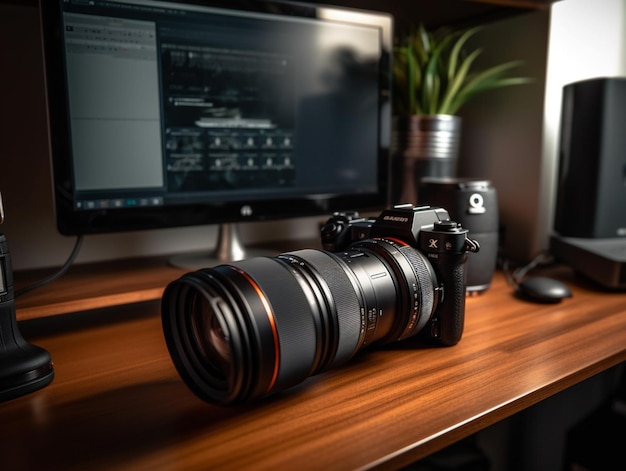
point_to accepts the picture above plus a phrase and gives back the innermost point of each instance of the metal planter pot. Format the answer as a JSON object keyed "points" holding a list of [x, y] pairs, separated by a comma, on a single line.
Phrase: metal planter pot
{"points": [[422, 146]]}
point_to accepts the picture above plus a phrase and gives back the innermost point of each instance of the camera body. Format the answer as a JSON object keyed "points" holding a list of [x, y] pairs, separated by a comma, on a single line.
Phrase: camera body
{"points": [[429, 230]]}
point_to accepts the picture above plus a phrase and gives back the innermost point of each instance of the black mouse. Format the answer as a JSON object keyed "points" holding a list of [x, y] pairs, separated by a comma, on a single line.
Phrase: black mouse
{"points": [[543, 290]]}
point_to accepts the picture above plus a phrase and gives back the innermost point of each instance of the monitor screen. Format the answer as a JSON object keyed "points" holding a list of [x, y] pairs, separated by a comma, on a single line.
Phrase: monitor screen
{"points": [[165, 114]]}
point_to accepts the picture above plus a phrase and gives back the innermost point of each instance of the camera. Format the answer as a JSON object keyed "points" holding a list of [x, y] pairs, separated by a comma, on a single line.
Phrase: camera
{"points": [[247, 329]]}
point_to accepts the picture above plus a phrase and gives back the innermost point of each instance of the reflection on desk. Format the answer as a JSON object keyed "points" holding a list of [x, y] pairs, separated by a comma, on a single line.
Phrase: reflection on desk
{"points": [[118, 403]]}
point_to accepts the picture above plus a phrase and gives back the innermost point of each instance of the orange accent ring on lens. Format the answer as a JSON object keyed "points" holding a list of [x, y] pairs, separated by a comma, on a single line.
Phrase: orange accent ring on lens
{"points": [[272, 321], [397, 241]]}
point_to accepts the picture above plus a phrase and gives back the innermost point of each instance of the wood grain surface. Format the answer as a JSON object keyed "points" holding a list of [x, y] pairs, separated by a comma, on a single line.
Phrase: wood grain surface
{"points": [[117, 402]]}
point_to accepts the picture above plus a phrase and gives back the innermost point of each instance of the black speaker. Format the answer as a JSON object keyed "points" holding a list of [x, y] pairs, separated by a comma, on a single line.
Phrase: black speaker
{"points": [[591, 187], [473, 204]]}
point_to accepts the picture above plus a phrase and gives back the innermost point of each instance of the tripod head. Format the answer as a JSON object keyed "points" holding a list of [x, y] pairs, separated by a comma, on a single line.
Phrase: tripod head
{"points": [[24, 368]]}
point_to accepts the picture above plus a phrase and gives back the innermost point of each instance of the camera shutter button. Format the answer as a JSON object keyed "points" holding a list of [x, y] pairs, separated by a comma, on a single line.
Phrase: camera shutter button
{"points": [[446, 225]]}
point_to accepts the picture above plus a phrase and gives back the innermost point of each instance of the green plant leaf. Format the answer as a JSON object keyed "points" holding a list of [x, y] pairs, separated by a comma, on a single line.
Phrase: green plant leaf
{"points": [[456, 52], [457, 80], [486, 80], [433, 72], [432, 81]]}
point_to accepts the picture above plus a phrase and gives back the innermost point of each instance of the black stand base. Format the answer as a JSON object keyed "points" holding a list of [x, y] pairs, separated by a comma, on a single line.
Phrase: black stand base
{"points": [[24, 368], [24, 371]]}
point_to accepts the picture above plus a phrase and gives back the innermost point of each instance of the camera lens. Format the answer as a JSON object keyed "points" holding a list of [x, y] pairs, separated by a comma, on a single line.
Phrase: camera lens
{"points": [[251, 328]]}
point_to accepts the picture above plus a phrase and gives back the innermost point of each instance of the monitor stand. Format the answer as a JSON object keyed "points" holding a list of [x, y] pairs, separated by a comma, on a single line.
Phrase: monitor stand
{"points": [[228, 249]]}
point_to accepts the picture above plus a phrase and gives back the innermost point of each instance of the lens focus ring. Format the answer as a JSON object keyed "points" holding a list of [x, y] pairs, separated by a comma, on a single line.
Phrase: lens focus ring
{"points": [[344, 297]]}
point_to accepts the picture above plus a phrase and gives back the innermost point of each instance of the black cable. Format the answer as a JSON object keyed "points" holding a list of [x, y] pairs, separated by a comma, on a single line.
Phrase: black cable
{"points": [[58, 273], [513, 277]]}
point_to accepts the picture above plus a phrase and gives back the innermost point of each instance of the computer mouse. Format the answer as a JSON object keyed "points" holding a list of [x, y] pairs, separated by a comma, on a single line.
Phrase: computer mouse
{"points": [[542, 289]]}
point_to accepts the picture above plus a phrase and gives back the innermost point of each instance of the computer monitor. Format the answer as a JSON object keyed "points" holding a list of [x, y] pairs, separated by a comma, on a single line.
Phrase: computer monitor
{"points": [[167, 114]]}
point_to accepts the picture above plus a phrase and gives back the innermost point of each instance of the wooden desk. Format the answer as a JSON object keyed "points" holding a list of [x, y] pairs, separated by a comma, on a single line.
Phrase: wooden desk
{"points": [[117, 402]]}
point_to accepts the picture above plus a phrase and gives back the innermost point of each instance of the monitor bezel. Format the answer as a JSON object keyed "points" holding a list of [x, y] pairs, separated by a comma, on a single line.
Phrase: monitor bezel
{"points": [[72, 222]]}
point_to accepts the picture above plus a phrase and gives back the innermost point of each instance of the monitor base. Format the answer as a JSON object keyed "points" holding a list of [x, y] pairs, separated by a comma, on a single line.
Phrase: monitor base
{"points": [[228, 249]]}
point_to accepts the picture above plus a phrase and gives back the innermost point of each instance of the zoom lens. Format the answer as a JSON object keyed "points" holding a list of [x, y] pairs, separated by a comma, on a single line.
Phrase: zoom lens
{"points": [[248, 329]]}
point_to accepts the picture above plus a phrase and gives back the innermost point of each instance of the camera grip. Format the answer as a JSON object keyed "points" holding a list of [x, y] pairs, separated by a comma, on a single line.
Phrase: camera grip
{"points": [[448, 321]]}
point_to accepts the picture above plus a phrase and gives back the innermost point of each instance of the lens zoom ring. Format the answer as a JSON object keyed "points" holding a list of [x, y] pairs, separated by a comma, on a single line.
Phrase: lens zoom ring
{"points": [[345, 299]]}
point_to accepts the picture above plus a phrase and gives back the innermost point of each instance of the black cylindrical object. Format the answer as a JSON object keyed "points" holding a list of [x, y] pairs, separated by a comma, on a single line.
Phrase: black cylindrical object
{"points": [[474, 204]]}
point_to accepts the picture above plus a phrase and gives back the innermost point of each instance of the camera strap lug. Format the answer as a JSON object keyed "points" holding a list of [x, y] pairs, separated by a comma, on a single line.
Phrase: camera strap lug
{"points": [[471, 245]]}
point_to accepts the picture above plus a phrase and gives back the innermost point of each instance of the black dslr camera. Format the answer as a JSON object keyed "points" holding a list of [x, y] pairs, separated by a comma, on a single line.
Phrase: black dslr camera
{"points": [[251, 328]]}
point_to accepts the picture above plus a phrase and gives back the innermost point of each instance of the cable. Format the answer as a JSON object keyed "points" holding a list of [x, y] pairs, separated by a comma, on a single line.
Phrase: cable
{"points": [[514, 277], [58, 273]]}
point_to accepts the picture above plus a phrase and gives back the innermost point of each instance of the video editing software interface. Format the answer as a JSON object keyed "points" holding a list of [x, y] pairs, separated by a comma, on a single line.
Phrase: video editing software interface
{"points": [[172, 103]]}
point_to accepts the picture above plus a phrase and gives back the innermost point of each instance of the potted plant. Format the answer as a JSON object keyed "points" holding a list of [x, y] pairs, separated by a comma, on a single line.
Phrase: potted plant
{"points": [[434, 75]]}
